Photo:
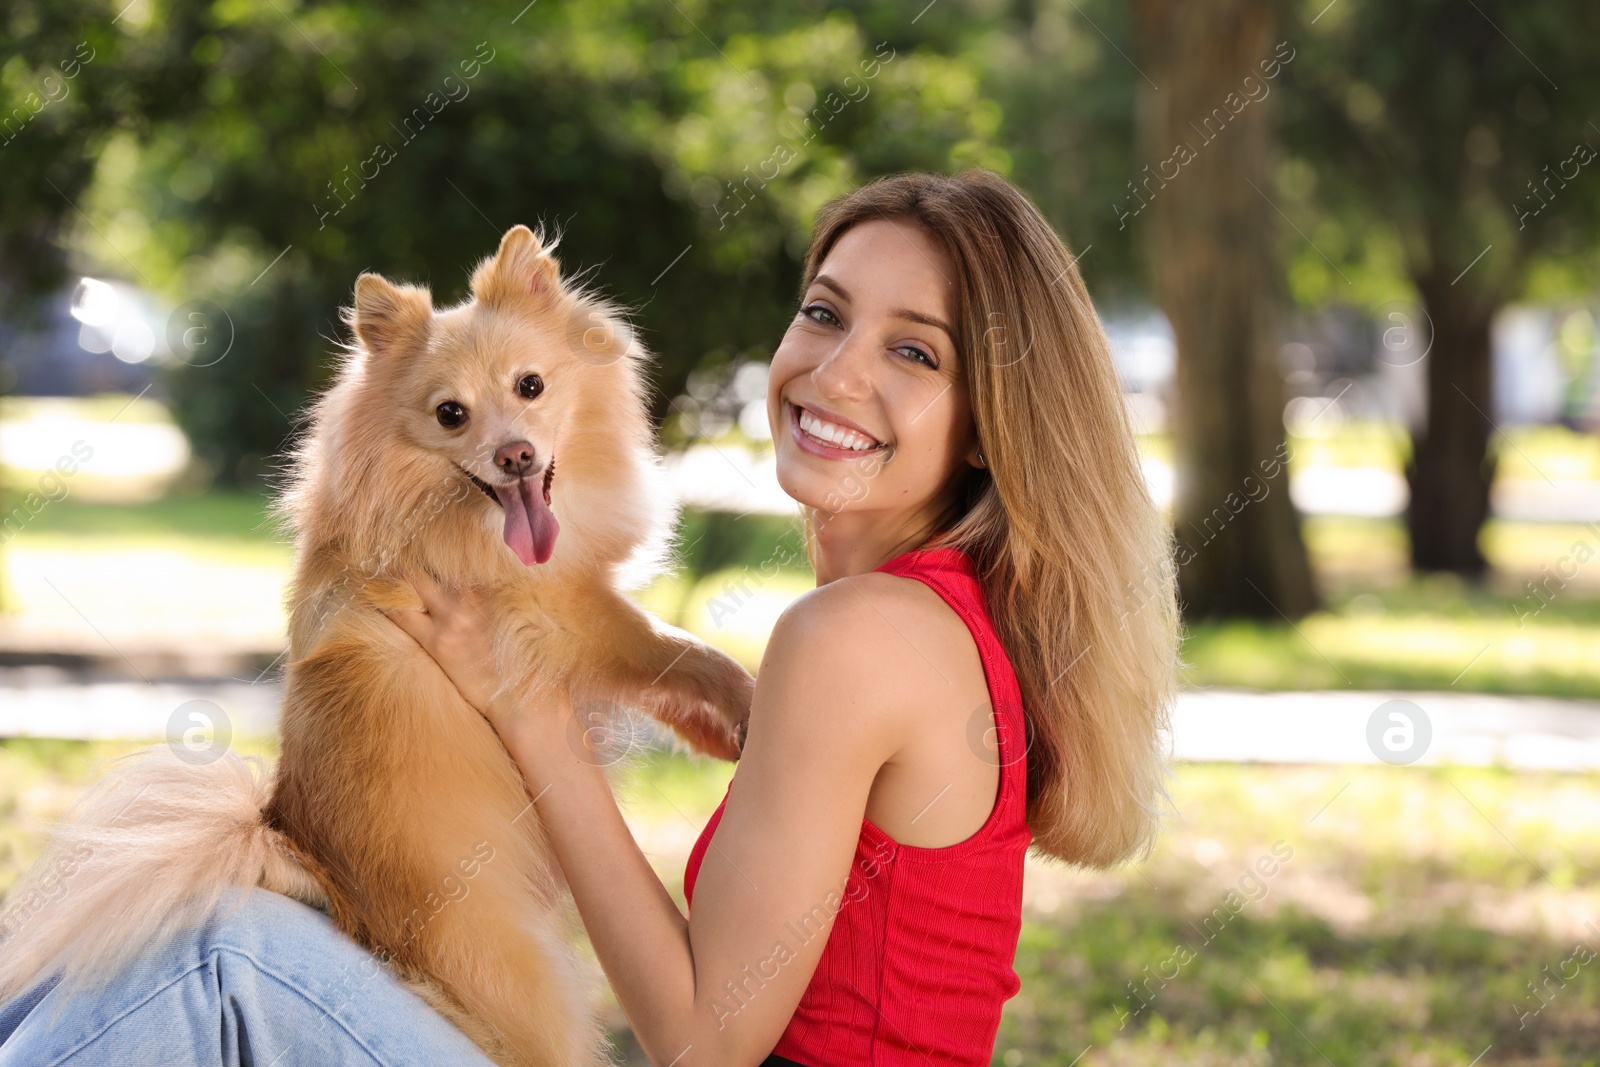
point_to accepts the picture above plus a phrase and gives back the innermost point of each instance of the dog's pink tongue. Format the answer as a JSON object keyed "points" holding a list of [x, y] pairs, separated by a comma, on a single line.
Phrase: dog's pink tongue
{"points": [[530, 527]]}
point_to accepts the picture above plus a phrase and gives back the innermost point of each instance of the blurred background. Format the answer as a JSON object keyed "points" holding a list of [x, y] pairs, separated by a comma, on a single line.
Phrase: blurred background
{"points": [[1348, 256]]}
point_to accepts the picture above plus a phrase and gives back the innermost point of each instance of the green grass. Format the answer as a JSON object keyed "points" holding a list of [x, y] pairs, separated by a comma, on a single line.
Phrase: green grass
{"points": [[102, 407], [1538, 452], [1405, 915], [1355, 444], [1433, 633], [1414, 907], [1288, 990], [661, 786], [40, 778], [1402, 929], [226, 527], [218, 516]]}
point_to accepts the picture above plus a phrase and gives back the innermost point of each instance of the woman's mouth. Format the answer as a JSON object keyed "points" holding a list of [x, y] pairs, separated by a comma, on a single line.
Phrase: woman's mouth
{"points": [[832, 440]]}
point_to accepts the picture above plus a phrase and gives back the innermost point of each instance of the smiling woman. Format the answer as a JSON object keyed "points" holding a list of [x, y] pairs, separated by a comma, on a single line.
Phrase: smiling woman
{"points": [[997, 383]]}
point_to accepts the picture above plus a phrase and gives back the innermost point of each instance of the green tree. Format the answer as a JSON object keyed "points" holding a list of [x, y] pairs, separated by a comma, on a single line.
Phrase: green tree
{"points": [[1207, 133], [1060, 73], [1084, 127], [1457, 143], [276, 150]]}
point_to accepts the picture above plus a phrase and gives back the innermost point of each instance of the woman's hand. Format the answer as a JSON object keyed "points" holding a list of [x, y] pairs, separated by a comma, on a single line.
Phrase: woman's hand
{"points": [[455, 628]]}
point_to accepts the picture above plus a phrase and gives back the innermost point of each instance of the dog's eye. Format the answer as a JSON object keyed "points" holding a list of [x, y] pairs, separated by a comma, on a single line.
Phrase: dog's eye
{"points": [[531, 386], [450, 414]]}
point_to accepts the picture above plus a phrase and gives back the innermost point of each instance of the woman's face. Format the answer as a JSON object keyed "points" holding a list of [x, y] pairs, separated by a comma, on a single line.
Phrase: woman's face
{"points": [[866, 396]]}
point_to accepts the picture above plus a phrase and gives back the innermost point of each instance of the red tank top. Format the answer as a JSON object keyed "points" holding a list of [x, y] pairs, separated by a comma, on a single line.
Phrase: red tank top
{"points": [[920, 958]]}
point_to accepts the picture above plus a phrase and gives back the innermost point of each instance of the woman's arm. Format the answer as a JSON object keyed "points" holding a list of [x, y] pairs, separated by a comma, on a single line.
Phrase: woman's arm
{"points": [[830, 708]]}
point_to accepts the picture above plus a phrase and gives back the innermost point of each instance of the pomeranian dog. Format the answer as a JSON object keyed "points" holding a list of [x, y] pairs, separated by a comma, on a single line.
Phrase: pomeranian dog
{"points": [[503, 443]]}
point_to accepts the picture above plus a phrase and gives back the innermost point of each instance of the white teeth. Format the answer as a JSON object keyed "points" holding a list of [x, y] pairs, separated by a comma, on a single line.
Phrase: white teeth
{"points": [[834, 434]]}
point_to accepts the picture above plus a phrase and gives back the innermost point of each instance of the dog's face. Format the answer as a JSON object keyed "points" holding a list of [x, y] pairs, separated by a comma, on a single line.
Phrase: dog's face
{"points": [[529, 394]]}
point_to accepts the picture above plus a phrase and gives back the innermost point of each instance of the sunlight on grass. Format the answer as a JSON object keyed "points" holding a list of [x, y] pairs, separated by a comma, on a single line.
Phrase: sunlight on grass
{"points": [[110, 447], [1538, 452], [1531, 452], [1476, 645], [1356, 443]]}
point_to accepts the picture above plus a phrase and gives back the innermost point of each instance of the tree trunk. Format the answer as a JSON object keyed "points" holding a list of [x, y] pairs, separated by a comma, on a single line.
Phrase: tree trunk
{"points": [[1450, 470], [1210, 228]]}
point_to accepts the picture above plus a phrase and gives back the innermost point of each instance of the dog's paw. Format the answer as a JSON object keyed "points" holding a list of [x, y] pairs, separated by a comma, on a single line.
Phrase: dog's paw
{"points": [[705, 697], [728, 687], [701, 735]]}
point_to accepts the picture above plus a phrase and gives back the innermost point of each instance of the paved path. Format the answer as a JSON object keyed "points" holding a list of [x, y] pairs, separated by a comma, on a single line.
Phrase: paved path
{"points": [[40, 701], [1535, 733], [1209, 725]]}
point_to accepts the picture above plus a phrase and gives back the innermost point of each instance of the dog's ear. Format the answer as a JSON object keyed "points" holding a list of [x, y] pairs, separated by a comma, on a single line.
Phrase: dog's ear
{"points": [[523, 269], [388, 316]]}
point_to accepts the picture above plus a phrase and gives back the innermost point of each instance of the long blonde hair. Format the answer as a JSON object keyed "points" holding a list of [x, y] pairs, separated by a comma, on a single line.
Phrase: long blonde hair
{"points": [[1074, 556]]}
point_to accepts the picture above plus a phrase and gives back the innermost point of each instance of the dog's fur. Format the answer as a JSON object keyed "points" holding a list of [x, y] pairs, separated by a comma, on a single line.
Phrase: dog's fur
{"points": [[394, 806]]}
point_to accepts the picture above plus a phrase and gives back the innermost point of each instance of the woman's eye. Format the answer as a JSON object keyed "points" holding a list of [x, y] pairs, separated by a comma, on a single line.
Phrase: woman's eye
{"points": [[913, 352], [530, 386], [450, 414], [812, 311]]}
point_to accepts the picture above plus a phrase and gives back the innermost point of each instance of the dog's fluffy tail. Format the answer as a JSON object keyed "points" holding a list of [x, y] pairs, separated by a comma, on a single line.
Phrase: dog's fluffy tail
{"points": [[147, 851]]}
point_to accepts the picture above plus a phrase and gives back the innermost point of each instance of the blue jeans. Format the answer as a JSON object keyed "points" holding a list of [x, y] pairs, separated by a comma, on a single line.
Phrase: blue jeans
{"points": [[271, 982]]}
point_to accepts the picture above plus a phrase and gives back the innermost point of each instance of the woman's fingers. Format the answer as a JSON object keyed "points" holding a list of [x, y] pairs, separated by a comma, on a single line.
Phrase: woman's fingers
{"points": [[441, 600], [414, 621], [452, 628], [428, 590], [418, 622]]}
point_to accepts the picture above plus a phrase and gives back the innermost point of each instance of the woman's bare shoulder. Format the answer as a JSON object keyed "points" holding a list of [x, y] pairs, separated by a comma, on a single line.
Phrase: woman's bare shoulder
{"points": [[873, 642], [873, 607]]}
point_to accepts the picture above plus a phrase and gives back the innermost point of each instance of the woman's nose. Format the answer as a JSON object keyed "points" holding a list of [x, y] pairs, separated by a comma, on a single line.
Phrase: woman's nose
{"points": [[845, 372]]}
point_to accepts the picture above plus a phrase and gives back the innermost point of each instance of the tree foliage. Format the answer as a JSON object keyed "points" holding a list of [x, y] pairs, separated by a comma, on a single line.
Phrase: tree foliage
{"points": [[247, 160], [1453, 148]]}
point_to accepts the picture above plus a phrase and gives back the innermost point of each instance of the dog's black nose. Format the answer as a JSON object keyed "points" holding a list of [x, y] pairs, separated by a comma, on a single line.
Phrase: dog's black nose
{"points": [[514, 458]]}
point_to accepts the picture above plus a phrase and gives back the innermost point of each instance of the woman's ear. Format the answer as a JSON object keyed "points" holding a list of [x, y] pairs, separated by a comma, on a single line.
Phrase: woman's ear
{"points": [[389, 317]]}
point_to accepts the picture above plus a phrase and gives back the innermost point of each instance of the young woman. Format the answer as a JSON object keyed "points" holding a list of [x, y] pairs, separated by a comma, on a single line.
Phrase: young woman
{"points": [[986, 665]]}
